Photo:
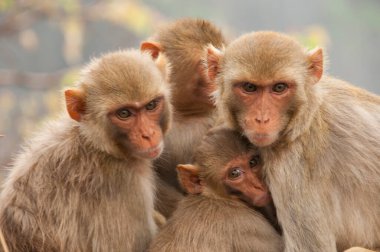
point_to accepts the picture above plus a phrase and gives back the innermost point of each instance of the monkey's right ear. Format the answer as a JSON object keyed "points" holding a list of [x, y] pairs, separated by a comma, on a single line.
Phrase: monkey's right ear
{"points": [[75, 103], [189, 178], [154, 48], [212, 60]]}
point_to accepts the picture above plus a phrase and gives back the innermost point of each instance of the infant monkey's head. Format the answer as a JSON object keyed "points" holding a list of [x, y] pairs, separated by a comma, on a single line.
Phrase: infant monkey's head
{"points": [[226, 165]]}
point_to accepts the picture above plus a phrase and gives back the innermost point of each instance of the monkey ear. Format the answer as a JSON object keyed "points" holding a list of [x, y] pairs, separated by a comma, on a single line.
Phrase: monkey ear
{"points": [[315, 58], [189, 178], [212, 61], [154, 48], [75, 103]]}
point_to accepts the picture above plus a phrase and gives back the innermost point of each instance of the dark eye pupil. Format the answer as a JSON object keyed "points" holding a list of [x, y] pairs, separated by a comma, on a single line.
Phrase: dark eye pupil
{"points": [[151, 105], [124, 113], [249, 87], [279, 87], [254, 161], [235, 173]]}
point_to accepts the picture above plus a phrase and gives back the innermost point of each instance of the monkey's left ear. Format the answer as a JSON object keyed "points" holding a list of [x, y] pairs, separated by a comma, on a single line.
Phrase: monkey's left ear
{"points": [[154, 48], [315, 58], [75, 103], [189, 178]]}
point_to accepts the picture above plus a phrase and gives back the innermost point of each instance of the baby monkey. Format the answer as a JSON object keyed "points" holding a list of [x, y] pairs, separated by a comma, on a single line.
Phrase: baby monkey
{"points": [[220, 214]]}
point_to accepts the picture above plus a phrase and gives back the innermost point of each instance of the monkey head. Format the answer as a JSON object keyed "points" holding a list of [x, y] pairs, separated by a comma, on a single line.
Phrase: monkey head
{"points": [[182, 43], [266, 83], [122, 104], [226, 165]]}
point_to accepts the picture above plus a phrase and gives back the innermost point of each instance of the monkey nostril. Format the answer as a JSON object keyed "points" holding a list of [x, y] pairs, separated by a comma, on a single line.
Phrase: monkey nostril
{"points": [[145, 136], [261, 120]]}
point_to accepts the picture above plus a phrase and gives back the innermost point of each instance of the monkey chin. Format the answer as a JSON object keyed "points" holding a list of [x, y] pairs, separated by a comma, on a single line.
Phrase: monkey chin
{"points": [[152, 153], [262, 200], [262, 140]]}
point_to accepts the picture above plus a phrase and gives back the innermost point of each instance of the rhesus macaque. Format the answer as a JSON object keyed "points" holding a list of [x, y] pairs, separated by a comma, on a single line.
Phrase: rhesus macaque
{"points": [[224, 185], [85, 182], [318, 136], [181, 44]]}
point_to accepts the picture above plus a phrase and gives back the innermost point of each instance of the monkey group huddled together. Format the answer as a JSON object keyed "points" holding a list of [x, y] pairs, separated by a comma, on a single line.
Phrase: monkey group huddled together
{"points": [[195, 144]]}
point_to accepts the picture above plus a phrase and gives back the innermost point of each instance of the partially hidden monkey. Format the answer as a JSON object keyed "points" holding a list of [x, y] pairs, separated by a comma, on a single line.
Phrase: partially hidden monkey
{"points": [[318, 136], [85, 182], [224, 186], [181, 45]]}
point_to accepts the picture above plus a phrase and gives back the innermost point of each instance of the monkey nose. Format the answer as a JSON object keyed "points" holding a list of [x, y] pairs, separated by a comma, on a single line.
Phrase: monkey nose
{"points": [[262, 120], [147, 135]]}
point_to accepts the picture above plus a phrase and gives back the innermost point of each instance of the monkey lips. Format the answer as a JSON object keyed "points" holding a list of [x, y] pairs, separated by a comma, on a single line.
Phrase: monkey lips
{"points": [[152, 152]]}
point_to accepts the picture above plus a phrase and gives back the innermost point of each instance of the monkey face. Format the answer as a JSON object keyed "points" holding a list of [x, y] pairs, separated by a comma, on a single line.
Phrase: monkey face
{"points": [[266, 107], [243, 180], [138, 127]]}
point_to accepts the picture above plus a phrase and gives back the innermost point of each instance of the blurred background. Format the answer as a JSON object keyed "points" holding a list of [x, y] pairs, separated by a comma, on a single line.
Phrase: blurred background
{"points": [[43, 43]]}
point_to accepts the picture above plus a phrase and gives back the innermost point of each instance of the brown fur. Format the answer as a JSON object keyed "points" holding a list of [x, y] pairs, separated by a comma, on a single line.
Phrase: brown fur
{"points": [[214, 220], [73, 188], [323, 169], [182, 43]]}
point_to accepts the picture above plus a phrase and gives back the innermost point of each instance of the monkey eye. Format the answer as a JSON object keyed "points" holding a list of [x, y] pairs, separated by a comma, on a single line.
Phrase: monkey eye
{"points": [[249, 87], [255, 160], [123, 113], [151, 105], [234, 173], [279, 87]]}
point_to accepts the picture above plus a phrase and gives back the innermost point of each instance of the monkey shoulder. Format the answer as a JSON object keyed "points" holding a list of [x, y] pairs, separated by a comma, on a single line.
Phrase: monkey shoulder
{"points": [[341, 94]]}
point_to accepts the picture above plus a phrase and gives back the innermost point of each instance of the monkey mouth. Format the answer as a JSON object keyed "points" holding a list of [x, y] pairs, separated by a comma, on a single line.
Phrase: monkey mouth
{"points": [[262, 140], [153, 152]]}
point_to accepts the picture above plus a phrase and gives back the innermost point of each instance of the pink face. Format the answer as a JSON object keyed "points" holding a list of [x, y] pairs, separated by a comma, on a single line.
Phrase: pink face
{"points": [[139, 128], [265, 106], [242, 178]]}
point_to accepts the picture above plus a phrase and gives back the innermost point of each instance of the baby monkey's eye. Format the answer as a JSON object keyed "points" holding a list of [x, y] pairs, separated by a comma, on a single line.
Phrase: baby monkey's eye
{"points": [[255, 160], [234, 173]]}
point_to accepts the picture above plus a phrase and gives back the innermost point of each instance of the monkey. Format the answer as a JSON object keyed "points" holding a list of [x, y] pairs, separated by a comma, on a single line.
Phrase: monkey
{"points": [[224, 184], [318, 137], [85, 182], [180, 45]]}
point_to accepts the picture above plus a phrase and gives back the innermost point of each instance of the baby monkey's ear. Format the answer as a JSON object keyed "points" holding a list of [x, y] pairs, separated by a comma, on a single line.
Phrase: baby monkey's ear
{"points": [[188, 176]]}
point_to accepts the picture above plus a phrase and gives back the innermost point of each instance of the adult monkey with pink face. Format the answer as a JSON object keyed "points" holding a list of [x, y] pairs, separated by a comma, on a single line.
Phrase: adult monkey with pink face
{"points": [[85, 182], [319, 138]]}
